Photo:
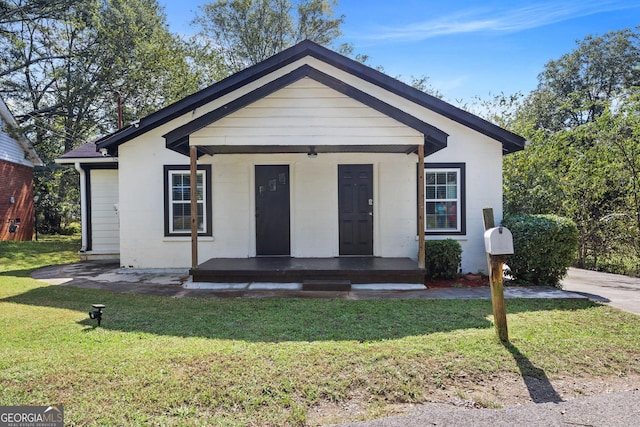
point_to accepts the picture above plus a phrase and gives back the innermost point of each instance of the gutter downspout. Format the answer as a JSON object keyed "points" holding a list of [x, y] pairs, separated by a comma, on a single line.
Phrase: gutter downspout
{"points": [[83, 206], [421, 243]]}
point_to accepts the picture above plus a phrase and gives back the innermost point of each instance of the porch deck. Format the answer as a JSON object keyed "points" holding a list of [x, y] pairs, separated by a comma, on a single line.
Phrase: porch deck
{"points": [[301, 270]]}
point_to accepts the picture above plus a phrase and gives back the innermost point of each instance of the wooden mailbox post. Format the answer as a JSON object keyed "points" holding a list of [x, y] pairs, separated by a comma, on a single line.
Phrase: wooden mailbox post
{"points": [[498, 244]]}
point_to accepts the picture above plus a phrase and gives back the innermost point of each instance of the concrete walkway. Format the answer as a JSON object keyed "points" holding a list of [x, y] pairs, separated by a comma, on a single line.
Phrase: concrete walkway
{"points": [[176, 283]]}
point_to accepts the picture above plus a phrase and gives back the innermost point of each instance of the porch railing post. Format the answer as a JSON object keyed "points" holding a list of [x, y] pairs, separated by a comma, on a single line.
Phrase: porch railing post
{"points": [[421, 254], [193, 156]]}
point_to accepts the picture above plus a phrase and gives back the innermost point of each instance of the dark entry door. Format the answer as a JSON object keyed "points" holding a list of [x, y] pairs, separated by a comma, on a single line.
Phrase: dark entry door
{"points": [[272, 210], [355, 194]]}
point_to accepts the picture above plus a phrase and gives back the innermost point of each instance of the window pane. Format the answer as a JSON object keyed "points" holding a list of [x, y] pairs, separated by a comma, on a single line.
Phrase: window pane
{"points": [[199, 187], [181, 217], [452, 215], [452, 192], [430, 193], [200, 211], [430, 179]]}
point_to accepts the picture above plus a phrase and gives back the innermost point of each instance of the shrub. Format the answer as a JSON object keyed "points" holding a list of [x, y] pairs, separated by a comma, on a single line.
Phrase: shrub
{"points": [[545, 246], [442, 258], [72, 229]]}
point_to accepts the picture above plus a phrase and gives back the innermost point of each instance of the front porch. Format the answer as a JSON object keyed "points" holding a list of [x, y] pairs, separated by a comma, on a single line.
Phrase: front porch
{"points": [[314, 273]]}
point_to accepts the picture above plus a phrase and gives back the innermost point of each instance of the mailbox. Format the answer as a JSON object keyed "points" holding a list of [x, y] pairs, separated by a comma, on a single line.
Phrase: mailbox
{"points": [[498, 241]]}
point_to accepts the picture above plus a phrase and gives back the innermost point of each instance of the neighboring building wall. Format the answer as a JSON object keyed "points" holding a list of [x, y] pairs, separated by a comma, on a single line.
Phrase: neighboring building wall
{"points": [[16, 183]]}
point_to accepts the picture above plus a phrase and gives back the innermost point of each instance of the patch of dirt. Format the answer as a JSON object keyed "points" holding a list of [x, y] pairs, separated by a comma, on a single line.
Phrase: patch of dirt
{"points": [[469, 392], [468, 280], [512, 389]]}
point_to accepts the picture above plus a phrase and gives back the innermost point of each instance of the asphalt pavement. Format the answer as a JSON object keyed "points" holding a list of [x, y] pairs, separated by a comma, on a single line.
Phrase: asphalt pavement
{"points": [[606, 410], [618, 291]]}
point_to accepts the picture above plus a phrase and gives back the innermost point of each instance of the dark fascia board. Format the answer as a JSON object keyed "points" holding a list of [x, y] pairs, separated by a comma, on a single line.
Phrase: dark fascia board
{"points": [[203, 97], [511, 142], [434, 138], [213, 150]]}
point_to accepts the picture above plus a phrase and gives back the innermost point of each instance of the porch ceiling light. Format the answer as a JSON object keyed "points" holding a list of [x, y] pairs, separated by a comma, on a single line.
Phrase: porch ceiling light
{"points": [[312, 152]]}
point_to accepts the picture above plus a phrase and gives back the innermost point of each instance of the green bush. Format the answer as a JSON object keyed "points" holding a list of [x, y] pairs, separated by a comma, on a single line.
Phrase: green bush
{"points": [[545, 246], [71, 229], [442, 258]]}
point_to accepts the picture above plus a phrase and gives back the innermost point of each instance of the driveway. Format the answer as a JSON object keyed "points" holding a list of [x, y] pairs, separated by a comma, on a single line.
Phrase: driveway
{"points": [[618, 291]]}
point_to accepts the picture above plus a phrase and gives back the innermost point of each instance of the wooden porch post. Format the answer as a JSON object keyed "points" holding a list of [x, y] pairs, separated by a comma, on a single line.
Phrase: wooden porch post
{"points": [[193, 156], [421, 254]]}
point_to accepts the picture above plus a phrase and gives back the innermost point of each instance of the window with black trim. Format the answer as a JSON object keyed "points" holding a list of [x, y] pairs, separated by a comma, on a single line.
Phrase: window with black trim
{"points": [[444, 198], [177, 200]]}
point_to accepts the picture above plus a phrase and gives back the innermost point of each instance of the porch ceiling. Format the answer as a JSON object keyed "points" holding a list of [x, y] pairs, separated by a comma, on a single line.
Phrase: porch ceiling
{"points": [[320, 149]]}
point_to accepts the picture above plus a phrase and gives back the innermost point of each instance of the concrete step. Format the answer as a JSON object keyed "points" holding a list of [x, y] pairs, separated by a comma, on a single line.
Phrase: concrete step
{"points": [[326, 285]]}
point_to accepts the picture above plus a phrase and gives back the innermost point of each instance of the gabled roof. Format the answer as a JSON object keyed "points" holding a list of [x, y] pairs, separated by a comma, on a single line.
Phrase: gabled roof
{"points": [[510, 141], [434, 138], [25, 144]]}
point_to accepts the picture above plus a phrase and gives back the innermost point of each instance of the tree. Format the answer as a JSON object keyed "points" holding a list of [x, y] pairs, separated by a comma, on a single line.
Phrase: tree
{"points": [[581, 161], [63, 65], [245, 32], [576, 88]]}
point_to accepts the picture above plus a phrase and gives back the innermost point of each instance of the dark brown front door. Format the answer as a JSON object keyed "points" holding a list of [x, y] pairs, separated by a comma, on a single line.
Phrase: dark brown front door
{"points": [[355, 205], [272, 210]]}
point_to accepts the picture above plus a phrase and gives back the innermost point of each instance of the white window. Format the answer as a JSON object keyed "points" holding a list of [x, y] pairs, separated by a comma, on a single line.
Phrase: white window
{"points": [[444, 199], [178, 200]]}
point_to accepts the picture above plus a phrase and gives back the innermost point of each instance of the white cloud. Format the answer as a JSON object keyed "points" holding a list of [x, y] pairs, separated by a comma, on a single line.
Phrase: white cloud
{"points": [[495, 20]]}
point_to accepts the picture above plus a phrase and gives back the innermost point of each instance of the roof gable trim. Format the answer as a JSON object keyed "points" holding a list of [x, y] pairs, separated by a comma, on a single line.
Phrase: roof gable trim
{"points": [[434, 138], [510, 141]]}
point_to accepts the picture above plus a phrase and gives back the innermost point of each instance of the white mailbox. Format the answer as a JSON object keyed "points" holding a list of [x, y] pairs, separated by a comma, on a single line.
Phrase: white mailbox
{"points": [[498, 241]]}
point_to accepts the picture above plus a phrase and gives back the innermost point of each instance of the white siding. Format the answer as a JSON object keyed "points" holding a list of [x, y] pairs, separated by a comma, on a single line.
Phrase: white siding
{"points": [[306, 113], [11, 150], [105, 226]]}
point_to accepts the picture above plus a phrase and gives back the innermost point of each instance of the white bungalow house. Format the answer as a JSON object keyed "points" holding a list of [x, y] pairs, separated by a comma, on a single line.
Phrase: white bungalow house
{"points": [[308, 161]]}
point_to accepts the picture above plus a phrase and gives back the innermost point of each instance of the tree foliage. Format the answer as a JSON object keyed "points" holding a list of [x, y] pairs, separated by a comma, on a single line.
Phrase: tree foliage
{"points": [[582, 161], [64, 64], [245, 32]]}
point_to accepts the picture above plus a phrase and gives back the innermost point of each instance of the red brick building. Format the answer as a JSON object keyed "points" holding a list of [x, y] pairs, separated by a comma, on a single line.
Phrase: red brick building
{"points": [[17, 159]]}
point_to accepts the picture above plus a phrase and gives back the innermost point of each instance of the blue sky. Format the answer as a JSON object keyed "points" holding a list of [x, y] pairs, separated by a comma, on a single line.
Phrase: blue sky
{"points": [[466, 48]]}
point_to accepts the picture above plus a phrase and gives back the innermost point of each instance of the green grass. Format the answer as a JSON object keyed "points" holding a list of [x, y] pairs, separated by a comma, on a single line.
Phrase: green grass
{"points": [[204, 361]]}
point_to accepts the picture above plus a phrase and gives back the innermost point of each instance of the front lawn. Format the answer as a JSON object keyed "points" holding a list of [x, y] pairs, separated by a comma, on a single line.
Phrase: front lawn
{"points": [[205, 361]]}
